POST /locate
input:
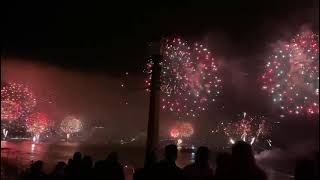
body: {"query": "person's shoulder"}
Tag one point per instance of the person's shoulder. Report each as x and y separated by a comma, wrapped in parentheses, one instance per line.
(261, 173)
(160, 164)
(155, 166)
(175, 168)
(188, 167)
(178, 168)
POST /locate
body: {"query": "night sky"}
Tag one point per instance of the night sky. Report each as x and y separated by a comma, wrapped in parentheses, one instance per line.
(116, 34)
(78, 53)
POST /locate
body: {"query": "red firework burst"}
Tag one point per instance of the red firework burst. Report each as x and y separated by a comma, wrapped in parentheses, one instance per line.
(174, 133)
(16, 100)
(38, 123)
(183, 129)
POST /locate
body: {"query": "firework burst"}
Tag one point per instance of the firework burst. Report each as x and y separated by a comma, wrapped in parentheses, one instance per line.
(174, 133)
(189, 78)
(186, 129)
(70, 125)
(182, 129)
(38, 123)
(16, 101)
(5, 133)
(292, 75)
(247, 128)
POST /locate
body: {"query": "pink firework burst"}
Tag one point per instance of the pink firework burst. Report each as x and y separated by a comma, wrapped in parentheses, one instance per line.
(16, 100)
(189, 78)
(246, 128)
(291, 75)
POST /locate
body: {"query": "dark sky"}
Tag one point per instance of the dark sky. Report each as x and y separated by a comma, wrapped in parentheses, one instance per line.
(84, 48)
(115, 34)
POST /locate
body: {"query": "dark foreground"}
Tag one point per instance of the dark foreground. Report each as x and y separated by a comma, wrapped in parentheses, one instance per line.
(17, 158)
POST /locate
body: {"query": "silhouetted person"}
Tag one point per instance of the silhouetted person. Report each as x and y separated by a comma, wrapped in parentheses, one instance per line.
(317, 166)
(305, 170)
(86, 167)
(74, 166)
(69, 162)
(67, 170)
(36, 172)
(223, 162)
(144, 173)
(141, 174)
(77, 156)
(167, 168)
(200, 169)
(99, 170)
(59, 171)
(114, 169)
(243, 163)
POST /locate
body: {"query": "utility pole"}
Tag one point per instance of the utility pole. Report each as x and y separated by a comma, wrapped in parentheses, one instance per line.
(154, 106)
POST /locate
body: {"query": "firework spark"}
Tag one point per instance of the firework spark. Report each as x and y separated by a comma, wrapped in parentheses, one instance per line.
(292, 75)
(189, 78)
(5, 133)
(16, 101)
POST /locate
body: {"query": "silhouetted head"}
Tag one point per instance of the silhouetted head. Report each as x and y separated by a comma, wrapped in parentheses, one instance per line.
(171, 152)
(70, 161)
(223, 160)
(77, 156)
(242, 153)
(60, 165)
(202, 155)
(112, 157)
(87, 162)
(36, 167)
(98, 165)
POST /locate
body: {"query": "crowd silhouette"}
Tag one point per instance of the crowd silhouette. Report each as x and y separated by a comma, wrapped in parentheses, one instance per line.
(237, 165)
(200, 169)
